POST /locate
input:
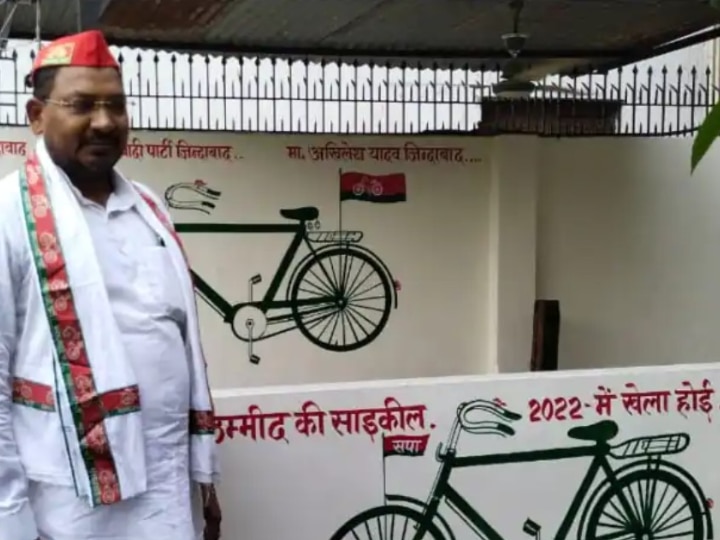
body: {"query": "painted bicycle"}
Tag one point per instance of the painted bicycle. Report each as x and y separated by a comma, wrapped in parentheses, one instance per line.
(648, 498)
(339, 295)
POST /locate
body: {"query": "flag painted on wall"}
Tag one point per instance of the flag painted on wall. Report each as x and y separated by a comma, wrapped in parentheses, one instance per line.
(385, 188)
(405, 445)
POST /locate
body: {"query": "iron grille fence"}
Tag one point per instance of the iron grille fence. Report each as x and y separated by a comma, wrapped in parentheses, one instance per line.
(170, 91)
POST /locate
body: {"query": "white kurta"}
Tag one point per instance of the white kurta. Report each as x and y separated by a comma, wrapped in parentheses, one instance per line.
(147, 303)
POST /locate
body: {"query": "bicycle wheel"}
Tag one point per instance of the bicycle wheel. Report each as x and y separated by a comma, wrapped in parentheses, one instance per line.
(659, 505)
(386, 523)
(359, 299)
(358, 189)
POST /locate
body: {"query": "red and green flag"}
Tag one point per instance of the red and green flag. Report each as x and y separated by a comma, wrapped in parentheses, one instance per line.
(405, 445)
(384, 188)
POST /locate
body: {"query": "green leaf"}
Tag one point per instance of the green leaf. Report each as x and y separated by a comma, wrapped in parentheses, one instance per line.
(706, 135)
(710, 128)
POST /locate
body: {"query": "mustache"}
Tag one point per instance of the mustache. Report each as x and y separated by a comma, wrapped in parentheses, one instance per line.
(102, 140)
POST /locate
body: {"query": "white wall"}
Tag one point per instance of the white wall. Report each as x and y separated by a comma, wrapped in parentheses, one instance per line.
(343, 472)
(615, 229)
(628, 242)
(700, 56)
(461, 249)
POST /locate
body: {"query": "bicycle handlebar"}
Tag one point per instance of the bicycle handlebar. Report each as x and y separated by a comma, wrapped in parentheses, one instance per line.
(486, 426)
(198, 187)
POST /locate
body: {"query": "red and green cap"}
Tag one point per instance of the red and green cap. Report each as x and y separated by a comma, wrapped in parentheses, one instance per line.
(86, 49)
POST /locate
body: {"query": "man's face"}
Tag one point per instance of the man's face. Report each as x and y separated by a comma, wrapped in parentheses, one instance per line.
(84, 122)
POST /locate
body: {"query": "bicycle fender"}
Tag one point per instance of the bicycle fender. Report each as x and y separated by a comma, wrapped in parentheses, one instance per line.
(421, 506)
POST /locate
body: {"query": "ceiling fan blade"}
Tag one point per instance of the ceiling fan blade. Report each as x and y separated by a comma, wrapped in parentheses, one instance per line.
(473, 86)
(559, 89)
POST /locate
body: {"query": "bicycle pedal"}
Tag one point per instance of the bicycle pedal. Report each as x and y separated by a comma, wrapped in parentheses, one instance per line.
(254, 359)
(531, 528)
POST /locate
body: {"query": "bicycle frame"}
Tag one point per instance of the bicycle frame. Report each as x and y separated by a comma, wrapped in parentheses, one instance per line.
(443, 490)
(222, 306)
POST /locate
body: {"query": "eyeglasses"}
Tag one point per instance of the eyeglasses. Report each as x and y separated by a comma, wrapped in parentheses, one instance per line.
(86, 106)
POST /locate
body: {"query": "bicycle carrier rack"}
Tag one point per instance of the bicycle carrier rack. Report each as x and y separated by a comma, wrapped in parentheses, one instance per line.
(334, 237)
(655, 445)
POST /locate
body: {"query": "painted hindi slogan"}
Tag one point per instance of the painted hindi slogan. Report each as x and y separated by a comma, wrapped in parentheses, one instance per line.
(13, 148)
(181, 149)
(409, 152)
(311, 420)
(136, 149)
(686, 399)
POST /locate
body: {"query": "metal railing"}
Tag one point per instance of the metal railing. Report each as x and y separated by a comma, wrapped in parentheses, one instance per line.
(200, 92)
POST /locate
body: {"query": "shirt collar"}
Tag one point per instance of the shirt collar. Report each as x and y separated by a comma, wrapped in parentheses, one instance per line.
(123, 196)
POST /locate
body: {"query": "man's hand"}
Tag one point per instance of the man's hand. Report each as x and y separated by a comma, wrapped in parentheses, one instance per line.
(212, 513)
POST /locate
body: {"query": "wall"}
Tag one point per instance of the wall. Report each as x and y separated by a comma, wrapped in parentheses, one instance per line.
(700, 56)
(613, 228)
(628, 242)
(372, 457)
(443, 253)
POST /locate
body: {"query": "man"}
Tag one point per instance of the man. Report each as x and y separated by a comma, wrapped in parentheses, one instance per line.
(106, 421)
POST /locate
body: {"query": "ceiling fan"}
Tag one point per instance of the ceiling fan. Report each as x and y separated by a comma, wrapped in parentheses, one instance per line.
(511, 85)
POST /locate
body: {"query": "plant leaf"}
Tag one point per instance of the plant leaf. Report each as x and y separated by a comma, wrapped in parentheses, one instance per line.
(705, 136)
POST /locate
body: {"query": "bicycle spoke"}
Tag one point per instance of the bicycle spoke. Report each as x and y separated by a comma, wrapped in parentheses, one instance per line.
(666, 527)
(352, 311)
(623, 517)
(332, 275)
(364, 291)
(634, 505)
(352, 328)
(664, 524)
(335, 275)
(684, 534)
(405, 527)
(367, 299)
(618, 522)
(357, 316)
(333, 317)
(612, 526)
(657, 508)
(647, 508)
(320, 288)
(369, 308)
(661, 517)
(353, 291)
(331, 320)
(367, 528)
(347, 263)
(323, 284)
(381, 528)
(619, 535)
(353, 283)
(316, 310)
(314, 322)
(386, 527)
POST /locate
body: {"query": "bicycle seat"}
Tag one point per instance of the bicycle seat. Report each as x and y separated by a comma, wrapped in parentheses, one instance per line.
(304, 213)
(598, 432)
